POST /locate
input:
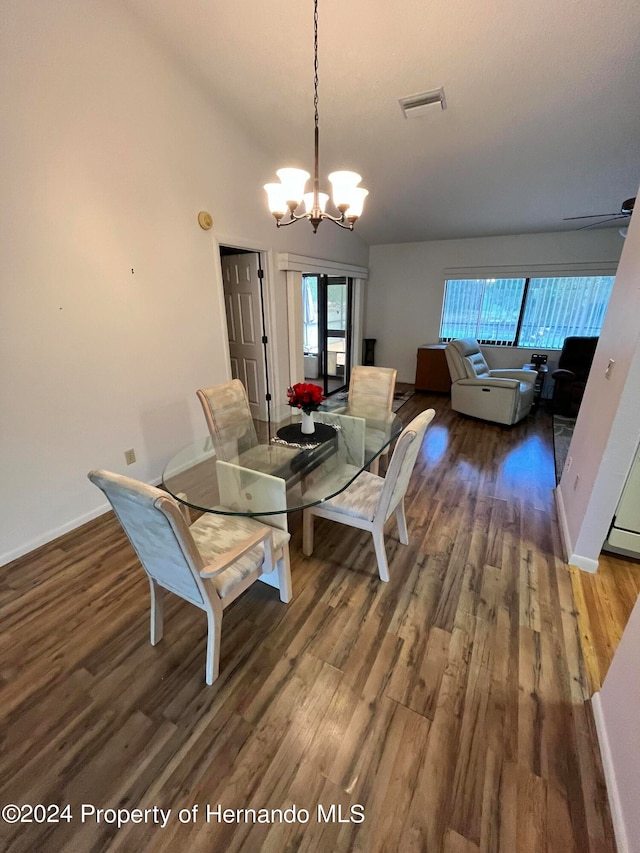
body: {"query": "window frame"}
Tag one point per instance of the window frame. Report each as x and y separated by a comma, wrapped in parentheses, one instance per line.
(600, 270)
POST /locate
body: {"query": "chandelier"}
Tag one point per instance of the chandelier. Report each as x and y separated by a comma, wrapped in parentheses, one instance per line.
(287, 196)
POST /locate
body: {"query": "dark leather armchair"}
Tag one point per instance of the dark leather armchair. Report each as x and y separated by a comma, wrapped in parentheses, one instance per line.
(570, 378)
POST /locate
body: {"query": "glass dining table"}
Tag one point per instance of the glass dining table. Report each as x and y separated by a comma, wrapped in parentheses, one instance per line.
(287, 470)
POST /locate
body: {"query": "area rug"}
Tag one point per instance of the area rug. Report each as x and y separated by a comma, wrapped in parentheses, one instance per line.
(562, 432)
(400, 398)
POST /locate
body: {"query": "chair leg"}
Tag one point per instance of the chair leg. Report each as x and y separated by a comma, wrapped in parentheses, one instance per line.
(401, 521)
(157, 611)
(214, 634)
(381, 554)
(373, 468)
(284, 576)
(307, 532)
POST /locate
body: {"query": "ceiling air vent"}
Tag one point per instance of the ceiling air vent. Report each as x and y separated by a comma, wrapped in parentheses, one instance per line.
(416, 105)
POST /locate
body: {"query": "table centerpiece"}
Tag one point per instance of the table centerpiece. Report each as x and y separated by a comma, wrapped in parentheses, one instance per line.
(307, 397)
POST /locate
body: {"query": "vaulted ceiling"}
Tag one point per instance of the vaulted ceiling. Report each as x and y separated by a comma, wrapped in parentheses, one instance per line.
(542, 118)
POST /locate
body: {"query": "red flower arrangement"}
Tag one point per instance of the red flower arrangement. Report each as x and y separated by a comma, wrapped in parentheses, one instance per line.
(305, 396)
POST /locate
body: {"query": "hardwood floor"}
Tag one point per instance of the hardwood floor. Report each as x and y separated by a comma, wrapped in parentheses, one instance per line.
(603, 603)
(451, 703)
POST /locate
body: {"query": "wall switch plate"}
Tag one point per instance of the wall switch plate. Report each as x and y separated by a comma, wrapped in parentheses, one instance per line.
(130, 456)
(607, 372)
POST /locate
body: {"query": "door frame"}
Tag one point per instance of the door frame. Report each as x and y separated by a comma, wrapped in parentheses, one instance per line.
(260, 407)
(294, 266)
(324, 333)
(270, 308)
(283, 308)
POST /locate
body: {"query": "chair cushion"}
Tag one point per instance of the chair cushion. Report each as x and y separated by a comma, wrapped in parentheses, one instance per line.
(360, 499)
(216, 534)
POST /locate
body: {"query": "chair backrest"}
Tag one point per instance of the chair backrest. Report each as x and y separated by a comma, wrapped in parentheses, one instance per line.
(158, 532)
(371, 386)
(226, 409)
(577, 355)
(396, 481)
(465, 359)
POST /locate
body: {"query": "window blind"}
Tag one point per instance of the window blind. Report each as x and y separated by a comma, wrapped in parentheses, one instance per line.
(527, 312)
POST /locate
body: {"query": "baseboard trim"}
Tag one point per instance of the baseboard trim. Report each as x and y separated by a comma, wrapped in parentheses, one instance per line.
(610, 776)
(50, 535)
(562, 520)
(585, 564)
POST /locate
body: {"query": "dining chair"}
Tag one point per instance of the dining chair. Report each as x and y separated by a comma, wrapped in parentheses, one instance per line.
(228, 415)
(371, 389)
(208, 563)
(369, 501)
(233, 433)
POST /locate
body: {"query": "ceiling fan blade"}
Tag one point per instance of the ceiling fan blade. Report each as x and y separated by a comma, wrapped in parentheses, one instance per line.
(595, 224)
(592, 216)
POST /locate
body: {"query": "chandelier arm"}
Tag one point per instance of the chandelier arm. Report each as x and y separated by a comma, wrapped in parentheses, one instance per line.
(293, 217)
(316, 220)
(337, 220)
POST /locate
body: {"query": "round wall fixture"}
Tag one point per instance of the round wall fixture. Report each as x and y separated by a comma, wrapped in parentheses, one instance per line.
(205, 220)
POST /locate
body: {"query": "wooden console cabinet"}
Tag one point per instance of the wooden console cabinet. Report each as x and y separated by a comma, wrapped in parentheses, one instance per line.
(432, 371)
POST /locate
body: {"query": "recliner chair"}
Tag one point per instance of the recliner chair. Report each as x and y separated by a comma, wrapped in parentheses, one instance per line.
(502, 396)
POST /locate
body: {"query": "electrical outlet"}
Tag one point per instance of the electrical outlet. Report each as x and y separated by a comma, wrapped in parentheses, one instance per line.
(130, 456)
(577, 480)
(569, 463)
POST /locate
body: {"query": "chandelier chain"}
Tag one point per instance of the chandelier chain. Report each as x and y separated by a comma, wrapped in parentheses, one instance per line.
(315, 61)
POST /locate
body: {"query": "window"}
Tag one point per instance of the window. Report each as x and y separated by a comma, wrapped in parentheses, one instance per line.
(310, 312)
(526, 312)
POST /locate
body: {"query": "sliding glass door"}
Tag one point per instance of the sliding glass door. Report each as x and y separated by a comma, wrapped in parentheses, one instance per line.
(327, 306)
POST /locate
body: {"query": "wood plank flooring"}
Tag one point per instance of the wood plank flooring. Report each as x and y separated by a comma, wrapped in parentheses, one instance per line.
(451, 704)
(603, 605)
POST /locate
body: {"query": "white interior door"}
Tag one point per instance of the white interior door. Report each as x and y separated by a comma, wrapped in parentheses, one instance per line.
(244, 326)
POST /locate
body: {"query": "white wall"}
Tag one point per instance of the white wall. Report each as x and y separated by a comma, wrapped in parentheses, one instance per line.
(607, 431)
(617, 711)
(406, 285)
(109, 151)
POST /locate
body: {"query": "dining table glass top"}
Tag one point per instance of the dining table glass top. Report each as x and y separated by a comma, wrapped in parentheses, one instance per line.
(286, 470)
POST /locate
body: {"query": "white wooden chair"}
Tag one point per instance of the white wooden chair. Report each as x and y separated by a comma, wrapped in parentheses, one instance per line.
(233, 433)
(208, 563)
(228, 415)
(370, 500)
(371, 389)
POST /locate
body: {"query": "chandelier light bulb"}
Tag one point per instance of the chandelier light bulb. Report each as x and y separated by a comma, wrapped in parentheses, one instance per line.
(277, 202)
(343, 184)
(323, 198)
(293, 183)
(356, 203)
